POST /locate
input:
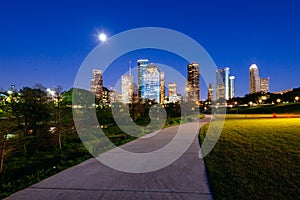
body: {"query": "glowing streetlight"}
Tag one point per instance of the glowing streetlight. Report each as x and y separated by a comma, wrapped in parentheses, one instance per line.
(297, 99)
(278, 100)
(260, 101)
(102, 37)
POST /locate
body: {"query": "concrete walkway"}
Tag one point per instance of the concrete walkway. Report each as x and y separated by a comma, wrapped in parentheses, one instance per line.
(183, 179)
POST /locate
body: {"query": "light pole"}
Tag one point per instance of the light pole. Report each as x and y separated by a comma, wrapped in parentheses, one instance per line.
(296, 99)
(278, 101)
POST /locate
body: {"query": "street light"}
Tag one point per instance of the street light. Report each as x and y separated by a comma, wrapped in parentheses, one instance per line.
(260, 101)
(297, 99)
(278, 100)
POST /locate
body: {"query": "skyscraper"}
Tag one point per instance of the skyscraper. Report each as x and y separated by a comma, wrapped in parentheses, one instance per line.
(231, 86)
(172, 89)
(264, 84)
(211, 91)
(222, 84)
(127, 88)
(254, 79)
(162, 87)
(193, 83)
(142, 64)
(96, 85)
(152, 83)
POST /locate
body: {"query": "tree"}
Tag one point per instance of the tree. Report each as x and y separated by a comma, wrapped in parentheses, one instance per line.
(58, 113)
(34, 109)
(9, 134)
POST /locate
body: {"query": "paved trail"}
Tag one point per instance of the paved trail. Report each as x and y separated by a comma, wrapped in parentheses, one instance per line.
(183, 179)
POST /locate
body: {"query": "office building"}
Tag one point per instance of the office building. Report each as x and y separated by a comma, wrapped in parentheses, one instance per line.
(142, 64)
(193, 83)
(254, 79)
(264, 85)
(258, 84)
(172, 89)
(173, 97)
(151, 80)
(127, 88)
(162, 87)
(231, 86)
(96, 85)
(211, 91)
(222, 84)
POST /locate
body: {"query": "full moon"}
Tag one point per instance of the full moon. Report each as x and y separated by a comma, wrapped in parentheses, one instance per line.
(102, 37)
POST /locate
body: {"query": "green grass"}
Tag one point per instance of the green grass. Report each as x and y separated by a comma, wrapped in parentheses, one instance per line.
(255, 159)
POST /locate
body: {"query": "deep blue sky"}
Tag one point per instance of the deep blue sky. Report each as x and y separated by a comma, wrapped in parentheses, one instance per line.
(46, 41)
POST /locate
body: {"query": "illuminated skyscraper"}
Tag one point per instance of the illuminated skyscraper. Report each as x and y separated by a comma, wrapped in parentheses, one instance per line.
(231, 86)
(254, 79)
(162, 87)
(142, 64)
(152, 83)
(172, 94)
(264, 84)
(193, 83)
(96, 85)
(127, 88)
(222, 84)
(211, 92)
(172, 87)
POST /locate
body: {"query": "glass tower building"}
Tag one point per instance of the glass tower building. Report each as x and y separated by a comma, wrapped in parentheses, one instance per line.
(152, 83)
(222, 84)
(231, 86)
(142, 65)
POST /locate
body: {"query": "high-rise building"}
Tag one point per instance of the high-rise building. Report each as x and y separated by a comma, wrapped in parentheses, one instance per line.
(222, 84)
(193, 83)
(257, 84)
(211, 91)
(172, 89)
(254, 79)
(152, 83)
(106, 96)
(114, 96)
(162, 87)
(264, 84)
(231, 86)
(127, 88)
(142, 64)
(172, 93)
(96, 85)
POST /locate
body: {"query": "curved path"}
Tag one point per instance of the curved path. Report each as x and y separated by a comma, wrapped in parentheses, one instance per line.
(184, 179)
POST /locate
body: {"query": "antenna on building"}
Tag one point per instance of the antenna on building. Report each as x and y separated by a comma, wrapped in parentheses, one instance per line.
(129, 68)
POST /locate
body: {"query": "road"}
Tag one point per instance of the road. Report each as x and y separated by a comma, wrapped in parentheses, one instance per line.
(183, 179)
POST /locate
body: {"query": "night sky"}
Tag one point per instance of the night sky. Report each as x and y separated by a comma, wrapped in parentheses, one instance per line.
(46, 41)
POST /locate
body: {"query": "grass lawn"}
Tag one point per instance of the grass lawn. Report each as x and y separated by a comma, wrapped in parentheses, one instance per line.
(255, 159)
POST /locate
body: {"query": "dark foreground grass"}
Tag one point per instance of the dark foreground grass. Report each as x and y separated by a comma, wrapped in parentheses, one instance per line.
(255, 159)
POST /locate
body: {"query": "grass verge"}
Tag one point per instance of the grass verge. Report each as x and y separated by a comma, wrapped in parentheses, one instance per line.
(255, 159)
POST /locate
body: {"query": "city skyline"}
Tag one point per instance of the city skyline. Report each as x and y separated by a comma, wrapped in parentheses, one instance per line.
(39, 47)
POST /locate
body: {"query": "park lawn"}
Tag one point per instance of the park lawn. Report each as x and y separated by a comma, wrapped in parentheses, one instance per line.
(255, 159)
